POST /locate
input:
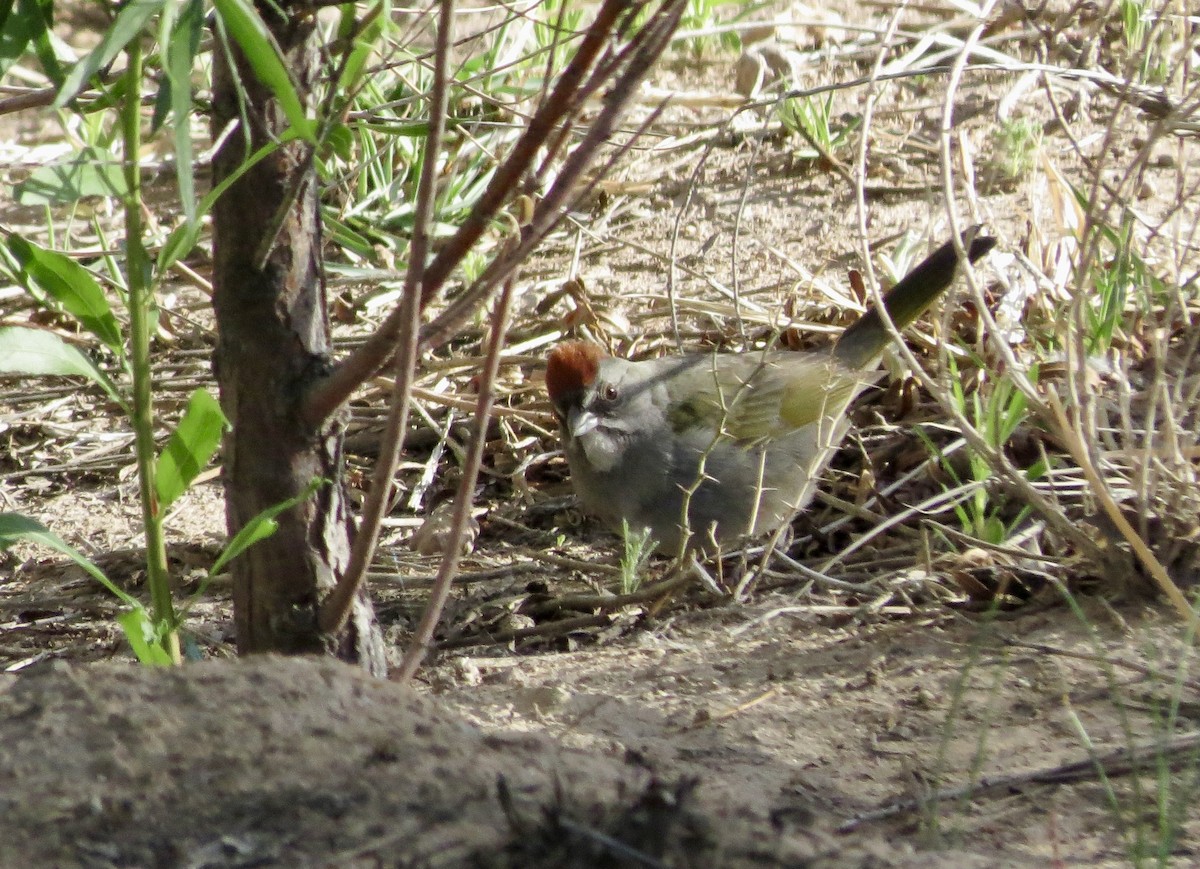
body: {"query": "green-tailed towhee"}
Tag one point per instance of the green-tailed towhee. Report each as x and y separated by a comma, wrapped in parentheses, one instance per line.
(737, 439)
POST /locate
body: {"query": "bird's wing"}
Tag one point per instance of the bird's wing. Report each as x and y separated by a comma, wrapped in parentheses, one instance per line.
(755, 397)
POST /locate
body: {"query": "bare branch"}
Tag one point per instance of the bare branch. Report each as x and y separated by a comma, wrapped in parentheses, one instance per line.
(650, 42)
(465, 496)
(336, 607)
(325, 398)
(1125, 760)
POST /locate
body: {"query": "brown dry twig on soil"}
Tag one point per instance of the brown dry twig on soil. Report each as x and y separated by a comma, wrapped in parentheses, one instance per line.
(1117, 762)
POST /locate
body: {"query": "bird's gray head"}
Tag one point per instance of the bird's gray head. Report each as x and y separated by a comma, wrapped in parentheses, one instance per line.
(602, 403)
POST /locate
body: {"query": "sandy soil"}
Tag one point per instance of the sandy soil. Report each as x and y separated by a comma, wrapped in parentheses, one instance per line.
(744, 737)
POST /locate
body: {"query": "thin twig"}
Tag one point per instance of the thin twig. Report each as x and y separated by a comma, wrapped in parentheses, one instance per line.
(609, 602)
(422, 639)
(996, 459)
(41, 97)
(1101, 493)
(327, 396)
(556, 628)
(336, 607)
(650, 41)
(1120, 761)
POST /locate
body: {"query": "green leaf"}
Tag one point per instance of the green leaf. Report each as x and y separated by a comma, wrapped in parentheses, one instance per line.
(143, 638)
(112, 97)
(38, 353)
(341, 141)
(162, 105)
(993, 530)
(93, 172)
(28, 26)
(183, 238)
(136, 622)
(190, 447)
(243, 23)
(365, 33)
(72, 286)
(128, 26)
(17, 31)
(16, 526)
(259, 528)
(179, 244)
(345, 236)
(43, 45)
(182, 43)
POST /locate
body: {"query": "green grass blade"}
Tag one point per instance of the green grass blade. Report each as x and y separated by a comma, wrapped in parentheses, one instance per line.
(128, 26)
(143, 638)
(184, 237)
(16, 526)
(27, 24)
(259, 528)
(182, 45)
(244, 24)
(136, 623)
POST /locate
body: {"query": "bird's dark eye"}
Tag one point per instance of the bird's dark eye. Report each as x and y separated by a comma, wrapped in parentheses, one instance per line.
(609, 392)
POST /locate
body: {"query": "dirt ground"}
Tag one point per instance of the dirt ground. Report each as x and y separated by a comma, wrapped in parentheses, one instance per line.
(745, 737)
(891, 721)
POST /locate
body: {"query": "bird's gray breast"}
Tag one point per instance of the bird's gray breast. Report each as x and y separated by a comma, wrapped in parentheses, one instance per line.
(618, 478)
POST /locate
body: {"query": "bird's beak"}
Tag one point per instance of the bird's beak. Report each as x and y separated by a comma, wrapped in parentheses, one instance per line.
(580, 422)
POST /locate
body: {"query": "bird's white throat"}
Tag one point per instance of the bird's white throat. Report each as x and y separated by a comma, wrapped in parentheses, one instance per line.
(602, 451)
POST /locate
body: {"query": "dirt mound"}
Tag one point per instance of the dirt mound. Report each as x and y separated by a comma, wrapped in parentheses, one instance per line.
(306, 762)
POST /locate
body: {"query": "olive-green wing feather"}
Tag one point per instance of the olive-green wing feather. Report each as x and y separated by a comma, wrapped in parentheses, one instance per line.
(760, 396)
(754, 397)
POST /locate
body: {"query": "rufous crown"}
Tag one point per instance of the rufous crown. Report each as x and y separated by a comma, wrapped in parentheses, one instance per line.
(572, 366)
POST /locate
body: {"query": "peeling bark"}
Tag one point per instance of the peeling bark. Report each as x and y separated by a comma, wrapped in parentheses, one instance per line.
(273, 342)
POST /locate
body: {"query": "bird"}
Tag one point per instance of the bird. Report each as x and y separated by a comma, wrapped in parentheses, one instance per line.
(704, 449)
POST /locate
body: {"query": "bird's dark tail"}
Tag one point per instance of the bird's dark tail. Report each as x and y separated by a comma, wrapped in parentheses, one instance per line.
(866, 338)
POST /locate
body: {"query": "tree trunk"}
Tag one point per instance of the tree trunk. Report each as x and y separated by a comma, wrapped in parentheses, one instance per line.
(272, 342)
